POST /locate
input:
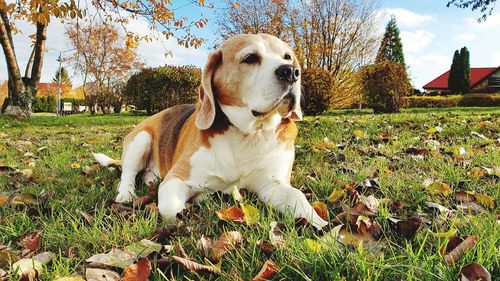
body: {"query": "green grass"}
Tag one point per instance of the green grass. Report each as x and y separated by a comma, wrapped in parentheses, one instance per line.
(71, 139)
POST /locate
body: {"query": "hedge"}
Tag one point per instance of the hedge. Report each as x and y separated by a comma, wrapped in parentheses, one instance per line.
(452, 101)
(317, 90)
(155, 89)
(45, 104)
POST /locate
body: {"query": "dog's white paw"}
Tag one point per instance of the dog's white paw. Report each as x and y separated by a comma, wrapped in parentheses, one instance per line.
(125, 197)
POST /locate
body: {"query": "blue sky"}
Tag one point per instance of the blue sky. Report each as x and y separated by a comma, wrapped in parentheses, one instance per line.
(430, 31)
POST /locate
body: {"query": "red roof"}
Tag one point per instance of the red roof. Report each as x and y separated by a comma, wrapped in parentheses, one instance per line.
(477, 75)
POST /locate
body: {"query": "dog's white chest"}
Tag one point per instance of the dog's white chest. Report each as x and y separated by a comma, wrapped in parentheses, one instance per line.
(234, 158)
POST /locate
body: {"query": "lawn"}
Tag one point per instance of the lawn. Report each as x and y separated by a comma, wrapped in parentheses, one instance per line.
(413, 157)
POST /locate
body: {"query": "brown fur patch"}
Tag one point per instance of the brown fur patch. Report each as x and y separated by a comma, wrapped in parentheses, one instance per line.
(287, 132)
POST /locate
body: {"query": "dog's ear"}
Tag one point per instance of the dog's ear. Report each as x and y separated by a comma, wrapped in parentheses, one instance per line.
(206, 115)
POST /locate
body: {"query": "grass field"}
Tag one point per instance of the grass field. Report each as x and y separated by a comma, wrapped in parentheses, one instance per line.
(332, 150)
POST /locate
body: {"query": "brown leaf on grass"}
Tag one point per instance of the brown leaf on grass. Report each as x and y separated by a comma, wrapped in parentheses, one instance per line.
(139, 271)
(484, 200)
(96, 274)
(474, 272)
(267, 247)
(196, 267)
(181, 253)
(162, 235)
(478, 172)
(226, 242)
(141, 202)
(268, 271)
(321, 209)
(72, 278)
(7, 256)
(233, 214)
(24, 199)
(453, 242)
(122, 210)
(408, 228)
(203, 245)
(460, 250)
(4, 199)
(30, 243)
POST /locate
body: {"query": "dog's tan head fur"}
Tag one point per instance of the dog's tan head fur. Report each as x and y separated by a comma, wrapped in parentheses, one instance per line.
(255, 79)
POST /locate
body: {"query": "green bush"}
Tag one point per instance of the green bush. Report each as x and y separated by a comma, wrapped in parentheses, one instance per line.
(317, 90)
(155, 89)
(384, 85)
(45, 104)
(452, 101)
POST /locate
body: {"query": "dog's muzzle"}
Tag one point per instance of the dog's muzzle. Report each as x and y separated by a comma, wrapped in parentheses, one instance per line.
(283, 106)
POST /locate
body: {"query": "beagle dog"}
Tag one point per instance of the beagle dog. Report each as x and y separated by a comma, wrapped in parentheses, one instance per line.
(241, 132)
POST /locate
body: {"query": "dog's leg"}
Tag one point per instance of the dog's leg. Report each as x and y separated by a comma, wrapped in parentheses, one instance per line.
(135, 158)
(285, 198)
(172, 197)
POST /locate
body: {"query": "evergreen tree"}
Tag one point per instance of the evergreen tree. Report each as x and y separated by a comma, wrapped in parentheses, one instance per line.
(464, 71)
(453, 78)
(391, 48)
(64, 76)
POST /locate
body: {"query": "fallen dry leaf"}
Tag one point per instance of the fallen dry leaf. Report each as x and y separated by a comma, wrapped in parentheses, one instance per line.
(408, 228)
(268, 271)
(321, 209)
(233, 214)
(226, 242)
(75, 166)
(30, 243)
(97, 274)
(276, 234)
(251, 214)
(203, 245)
(439, 188)
(266, 247)
(139, 271)
(474, 272)
(460, 250)
(196, 267)
(144, 248)
(142, 201)
(337, 195)
(115, 258)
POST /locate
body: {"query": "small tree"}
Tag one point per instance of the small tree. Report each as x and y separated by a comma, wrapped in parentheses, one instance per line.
(317, 90)
(459, 77)
(384, 85)
(391, 48)
(453, 78)
(464, 77)
(64, 76)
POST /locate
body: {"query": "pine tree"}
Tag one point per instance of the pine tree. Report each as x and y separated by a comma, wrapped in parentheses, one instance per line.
(464, 77)
(64, 76)
(391, 47)
(453, 79)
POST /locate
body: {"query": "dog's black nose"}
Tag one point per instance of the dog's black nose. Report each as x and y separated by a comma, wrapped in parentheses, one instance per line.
(287, 72)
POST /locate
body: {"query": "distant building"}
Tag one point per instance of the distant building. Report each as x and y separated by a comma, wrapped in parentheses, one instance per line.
(482, 80)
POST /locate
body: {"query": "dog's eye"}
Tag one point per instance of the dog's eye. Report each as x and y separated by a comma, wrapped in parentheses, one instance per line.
(287, 57)
(251, 59)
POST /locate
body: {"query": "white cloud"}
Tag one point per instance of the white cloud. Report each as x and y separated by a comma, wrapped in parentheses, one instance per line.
(495, 59)
(405, 18)
(466, 37)
(424, 68)
(416, 41)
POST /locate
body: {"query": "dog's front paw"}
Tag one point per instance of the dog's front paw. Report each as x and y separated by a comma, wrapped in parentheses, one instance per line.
(125, 197)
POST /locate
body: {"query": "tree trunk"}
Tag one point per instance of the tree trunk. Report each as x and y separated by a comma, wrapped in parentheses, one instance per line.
(22, 90)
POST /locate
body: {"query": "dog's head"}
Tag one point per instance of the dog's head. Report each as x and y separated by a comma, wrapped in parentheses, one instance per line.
(255, 79)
